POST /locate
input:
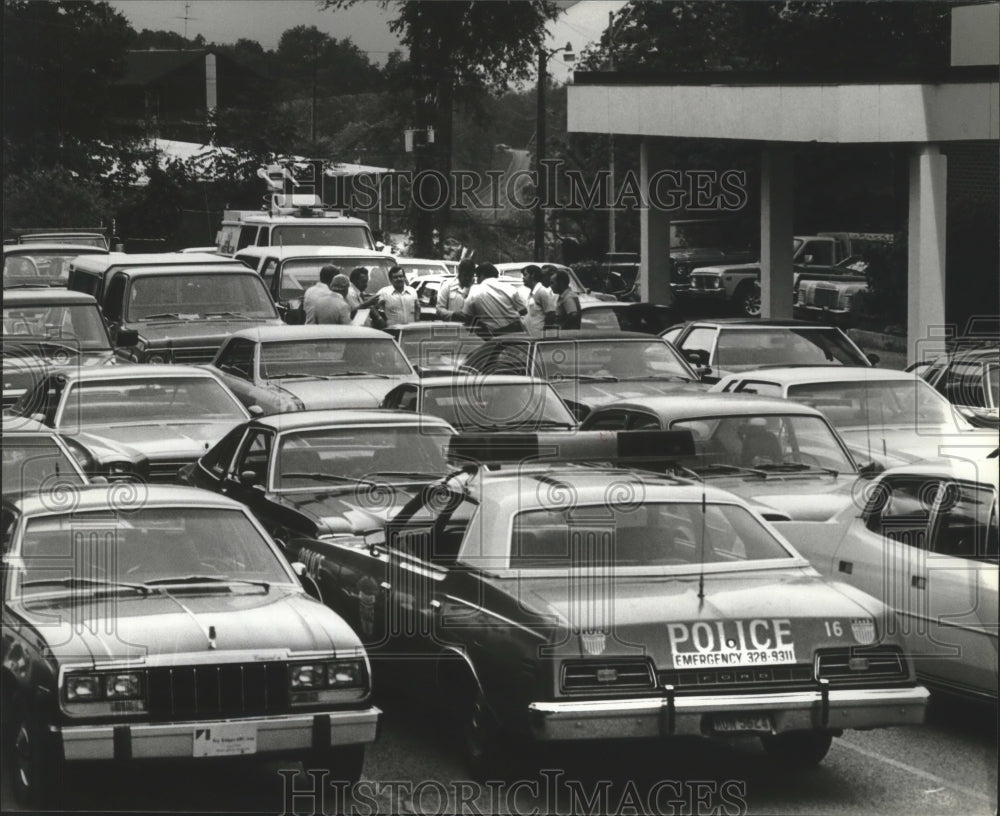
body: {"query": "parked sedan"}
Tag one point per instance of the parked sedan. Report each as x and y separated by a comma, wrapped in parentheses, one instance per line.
(589, 368)
(491, 402)
(325, 473)
(298, 368)
(722, 346)
(925, 542)
(970, 380)
(435, 347)
(884, 416)
(171, 414)
(173, 629)
(551, 602)
(781, 457)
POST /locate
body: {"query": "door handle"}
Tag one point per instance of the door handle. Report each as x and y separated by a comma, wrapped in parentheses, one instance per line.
(846, 567)
(918, 582)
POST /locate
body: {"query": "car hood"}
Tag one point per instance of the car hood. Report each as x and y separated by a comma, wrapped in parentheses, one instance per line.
(343, 392)
(168, 440)
(597, 394)
(195, 332)
(789, 606)
(284, 619)
(893, 446)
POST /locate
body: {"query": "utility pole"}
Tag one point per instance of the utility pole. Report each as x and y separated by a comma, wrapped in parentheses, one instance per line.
(312, 128)
(540, 136)
(611, 140)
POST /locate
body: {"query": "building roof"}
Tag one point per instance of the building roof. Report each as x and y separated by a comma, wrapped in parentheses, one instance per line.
(146, 67)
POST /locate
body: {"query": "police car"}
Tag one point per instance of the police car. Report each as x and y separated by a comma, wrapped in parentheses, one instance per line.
(551, 601)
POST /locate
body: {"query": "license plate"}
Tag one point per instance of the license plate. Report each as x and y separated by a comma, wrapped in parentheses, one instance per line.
(225, 739)
(736, 724)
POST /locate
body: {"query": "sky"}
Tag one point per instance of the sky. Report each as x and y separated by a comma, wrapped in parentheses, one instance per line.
(366, 22)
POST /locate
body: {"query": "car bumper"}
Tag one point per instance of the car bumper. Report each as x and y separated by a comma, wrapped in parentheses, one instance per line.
(706, 294)
(273, 735)
(831, 311)
(789, 711)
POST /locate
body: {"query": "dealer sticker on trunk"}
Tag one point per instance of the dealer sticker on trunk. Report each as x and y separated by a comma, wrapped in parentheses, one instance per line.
(757, 642)
(225, 739)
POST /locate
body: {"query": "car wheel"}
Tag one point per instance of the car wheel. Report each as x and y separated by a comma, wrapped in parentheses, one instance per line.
(345, 763)
(801, 749)
(36, 779)
(748, 301)
(485, 747)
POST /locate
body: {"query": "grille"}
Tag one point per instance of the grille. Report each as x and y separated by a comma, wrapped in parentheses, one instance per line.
(704, 282)
(740, 679)
(882, 664)
(165, 470)
(593, 676)
(825, 296)
(194, 354)
(227, 690)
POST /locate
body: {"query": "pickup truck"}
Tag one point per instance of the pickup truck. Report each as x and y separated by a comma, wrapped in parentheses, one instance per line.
(818, 259)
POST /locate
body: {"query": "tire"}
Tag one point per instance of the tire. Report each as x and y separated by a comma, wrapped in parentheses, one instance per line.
(486, 750)
(36, 777)
(747, 301)
(800, 749)
(345, 763)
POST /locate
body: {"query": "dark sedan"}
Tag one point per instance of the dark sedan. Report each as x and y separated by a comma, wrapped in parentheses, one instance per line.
(323, 474)
(589, 368)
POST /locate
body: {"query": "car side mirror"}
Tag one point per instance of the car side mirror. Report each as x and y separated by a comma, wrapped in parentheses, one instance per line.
(873, 359)
(248, 478)
(697, 357)
(126, 337)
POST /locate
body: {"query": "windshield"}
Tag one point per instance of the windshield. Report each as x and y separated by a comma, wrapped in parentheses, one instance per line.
(331, 358)
(610, 360)
(416, 270)
(78, 326)
(144, 544)
(742, 349)
(34, 462)
(653, 534)
(343, 235)
(45, 266)
(318, 458)
(478, 405)
(167, 400)
(440, 346)
(749, 441)
(854, 403)
(199, 294)
(298, 275)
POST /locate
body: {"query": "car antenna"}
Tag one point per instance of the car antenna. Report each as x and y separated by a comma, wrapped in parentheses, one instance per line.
(868, 420)
(701, 560)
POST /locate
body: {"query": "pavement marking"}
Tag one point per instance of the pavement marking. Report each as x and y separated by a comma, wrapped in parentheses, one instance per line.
(939, 780)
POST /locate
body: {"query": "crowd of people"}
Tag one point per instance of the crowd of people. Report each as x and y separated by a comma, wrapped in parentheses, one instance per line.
(475, 296)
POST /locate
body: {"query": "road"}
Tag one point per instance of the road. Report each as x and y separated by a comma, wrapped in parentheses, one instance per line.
(946, 766)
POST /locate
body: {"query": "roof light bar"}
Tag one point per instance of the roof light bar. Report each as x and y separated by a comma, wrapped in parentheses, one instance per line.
(621, 447)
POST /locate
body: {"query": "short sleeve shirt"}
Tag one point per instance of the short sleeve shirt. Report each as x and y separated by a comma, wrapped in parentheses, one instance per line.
(400, 307)
(332, 309)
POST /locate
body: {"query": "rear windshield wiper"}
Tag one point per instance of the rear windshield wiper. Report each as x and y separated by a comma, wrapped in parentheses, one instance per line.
(161, 316)
(76, 582)
(359, 374)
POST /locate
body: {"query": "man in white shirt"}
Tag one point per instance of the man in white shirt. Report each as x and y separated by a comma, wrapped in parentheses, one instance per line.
(453, 292)
(318, 291)
(493, 307)
(541, 301)
(334, 309)
(398, 301)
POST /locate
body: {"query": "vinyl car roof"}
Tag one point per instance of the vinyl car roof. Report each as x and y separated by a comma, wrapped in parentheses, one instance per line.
(110, 497)
(298, 251)
(273, 334)
(298, 420)
(45, 297)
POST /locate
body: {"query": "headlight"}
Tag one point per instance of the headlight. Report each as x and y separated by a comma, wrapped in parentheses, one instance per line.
(327, 681)
(81, 687)
(93, 687)
(119, 469)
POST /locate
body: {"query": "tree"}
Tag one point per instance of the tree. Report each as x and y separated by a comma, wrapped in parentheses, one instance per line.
(60, 59)
(53, 197)
(458, 49)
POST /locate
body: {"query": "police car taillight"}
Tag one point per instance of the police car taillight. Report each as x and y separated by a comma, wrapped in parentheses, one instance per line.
(621, 447)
